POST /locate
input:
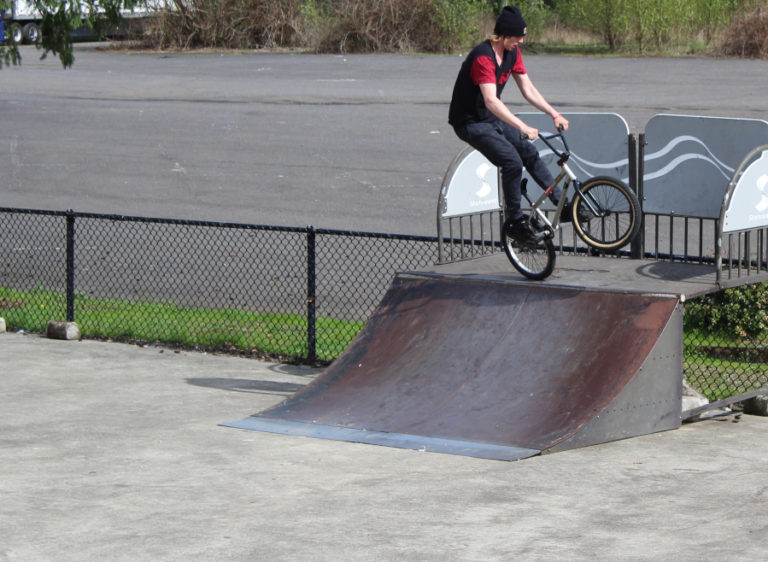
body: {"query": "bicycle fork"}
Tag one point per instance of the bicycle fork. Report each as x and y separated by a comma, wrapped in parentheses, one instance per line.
(592, 205)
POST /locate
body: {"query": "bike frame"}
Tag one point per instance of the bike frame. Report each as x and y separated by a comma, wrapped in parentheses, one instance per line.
(568, 177)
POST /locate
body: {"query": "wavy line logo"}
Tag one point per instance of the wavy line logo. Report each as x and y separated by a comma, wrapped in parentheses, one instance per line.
(589, 168)
(703, 154)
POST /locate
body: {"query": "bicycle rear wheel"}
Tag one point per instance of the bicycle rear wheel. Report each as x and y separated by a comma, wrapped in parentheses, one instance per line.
(618, 221)
(535, 261)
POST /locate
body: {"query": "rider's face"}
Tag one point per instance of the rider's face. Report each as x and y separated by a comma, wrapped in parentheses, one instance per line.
(511, 42)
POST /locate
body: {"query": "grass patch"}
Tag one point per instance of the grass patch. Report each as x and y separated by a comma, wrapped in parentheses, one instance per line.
(718, 365)
(281, 336)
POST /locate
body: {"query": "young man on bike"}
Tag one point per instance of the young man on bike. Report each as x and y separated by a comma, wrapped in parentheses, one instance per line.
(481, 119)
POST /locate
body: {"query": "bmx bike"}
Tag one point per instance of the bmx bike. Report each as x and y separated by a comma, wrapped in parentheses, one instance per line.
(605, 214)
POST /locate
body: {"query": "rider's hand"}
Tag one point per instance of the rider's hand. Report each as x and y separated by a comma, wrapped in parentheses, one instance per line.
(530, 133)
(561, 123)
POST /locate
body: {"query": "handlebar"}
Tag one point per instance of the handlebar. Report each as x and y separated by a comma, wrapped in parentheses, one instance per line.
(545, 138)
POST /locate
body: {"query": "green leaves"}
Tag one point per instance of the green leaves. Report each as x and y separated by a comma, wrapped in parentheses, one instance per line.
(739, 312)
(645, 24)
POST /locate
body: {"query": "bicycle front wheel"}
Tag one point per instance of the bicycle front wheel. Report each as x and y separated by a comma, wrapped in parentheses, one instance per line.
(535, 261)
(617, 220)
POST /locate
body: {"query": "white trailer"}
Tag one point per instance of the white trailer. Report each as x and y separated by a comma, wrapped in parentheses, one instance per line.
(22, 21)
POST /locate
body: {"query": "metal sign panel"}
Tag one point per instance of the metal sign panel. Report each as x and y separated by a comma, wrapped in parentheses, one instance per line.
(690, 160)
(473, 186)
(598, 143)
(748, 205)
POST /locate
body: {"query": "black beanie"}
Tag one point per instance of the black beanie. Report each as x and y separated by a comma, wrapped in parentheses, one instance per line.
(510, 23)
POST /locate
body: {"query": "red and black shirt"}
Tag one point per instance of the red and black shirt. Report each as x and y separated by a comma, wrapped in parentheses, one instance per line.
(480, 67)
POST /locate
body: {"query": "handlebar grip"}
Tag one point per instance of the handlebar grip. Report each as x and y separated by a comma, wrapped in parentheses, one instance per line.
(524, 136)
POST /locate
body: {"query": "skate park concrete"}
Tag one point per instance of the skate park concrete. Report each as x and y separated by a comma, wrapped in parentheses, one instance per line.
(113, 452)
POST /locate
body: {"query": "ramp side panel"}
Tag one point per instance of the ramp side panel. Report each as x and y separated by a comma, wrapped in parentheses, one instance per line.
(484, 362)
(649, 403)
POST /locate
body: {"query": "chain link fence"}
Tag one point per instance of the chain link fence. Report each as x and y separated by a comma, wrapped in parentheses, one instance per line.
(725, 348)
(297, 294)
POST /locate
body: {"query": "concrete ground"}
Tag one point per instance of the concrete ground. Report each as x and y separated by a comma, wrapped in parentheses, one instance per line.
(113, 452)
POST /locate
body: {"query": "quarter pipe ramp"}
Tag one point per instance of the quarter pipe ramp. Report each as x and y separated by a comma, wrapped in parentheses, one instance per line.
(498, 370)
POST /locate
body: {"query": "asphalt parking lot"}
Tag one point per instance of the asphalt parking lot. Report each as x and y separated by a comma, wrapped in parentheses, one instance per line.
(345, 142)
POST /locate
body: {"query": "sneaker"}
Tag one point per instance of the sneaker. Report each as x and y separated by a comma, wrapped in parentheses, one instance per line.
(521, 231)
(537, 224)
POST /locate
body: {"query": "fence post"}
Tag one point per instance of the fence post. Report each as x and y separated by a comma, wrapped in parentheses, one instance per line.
(311, 288)
(70, 266)
(636, 155)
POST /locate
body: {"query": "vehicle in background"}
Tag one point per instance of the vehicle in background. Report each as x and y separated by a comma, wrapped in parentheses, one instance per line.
(23, 20)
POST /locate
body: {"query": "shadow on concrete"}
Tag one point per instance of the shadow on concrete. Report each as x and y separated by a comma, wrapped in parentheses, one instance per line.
(247, 385)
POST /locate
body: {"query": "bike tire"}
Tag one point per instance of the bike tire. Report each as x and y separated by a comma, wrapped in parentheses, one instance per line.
(621, 221)
(534, 261)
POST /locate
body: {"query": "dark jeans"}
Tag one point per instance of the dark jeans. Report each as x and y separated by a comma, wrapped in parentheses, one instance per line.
(502, 146)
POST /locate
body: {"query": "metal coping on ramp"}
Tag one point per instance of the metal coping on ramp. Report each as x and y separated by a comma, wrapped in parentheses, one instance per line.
(611, 275)
(496, 370)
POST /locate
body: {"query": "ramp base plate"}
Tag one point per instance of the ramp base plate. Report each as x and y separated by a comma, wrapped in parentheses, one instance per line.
(398, 440)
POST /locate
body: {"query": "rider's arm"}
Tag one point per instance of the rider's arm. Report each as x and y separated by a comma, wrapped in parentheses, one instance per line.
(534, 97)
(500, 110)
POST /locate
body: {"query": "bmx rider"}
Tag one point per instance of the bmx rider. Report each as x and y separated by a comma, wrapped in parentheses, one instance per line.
(481, 119)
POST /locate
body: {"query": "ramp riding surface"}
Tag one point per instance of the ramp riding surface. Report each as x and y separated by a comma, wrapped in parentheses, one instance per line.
(493, 369)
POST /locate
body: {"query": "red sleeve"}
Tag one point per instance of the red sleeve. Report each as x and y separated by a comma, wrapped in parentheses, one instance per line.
(519, 67)
(483, 71)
